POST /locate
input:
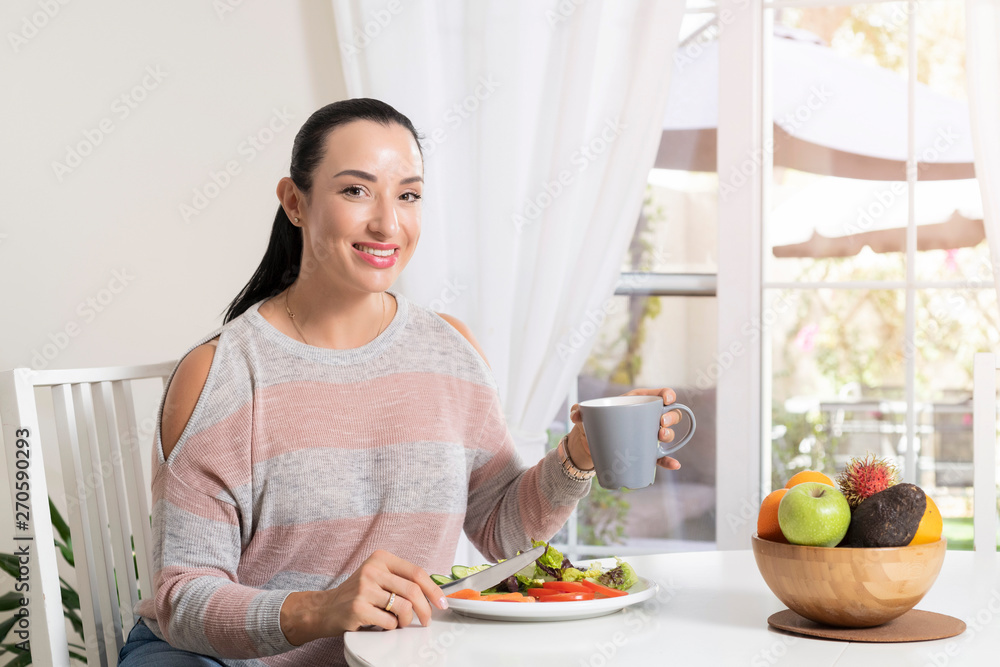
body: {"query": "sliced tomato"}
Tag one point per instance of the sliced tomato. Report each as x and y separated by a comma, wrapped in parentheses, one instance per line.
(566, 597)
(604, 590)
(466, 594)
(541, 592)
(566, 586)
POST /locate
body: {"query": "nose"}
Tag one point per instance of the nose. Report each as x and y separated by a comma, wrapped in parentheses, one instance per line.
(385, 221)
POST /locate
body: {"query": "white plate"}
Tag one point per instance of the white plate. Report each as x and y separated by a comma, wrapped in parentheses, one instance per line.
(553, 611)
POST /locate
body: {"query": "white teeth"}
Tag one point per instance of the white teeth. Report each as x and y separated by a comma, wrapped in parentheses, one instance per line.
(374, 251)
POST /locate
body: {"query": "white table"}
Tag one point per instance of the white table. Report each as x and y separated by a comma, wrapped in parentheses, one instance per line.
(712, 609)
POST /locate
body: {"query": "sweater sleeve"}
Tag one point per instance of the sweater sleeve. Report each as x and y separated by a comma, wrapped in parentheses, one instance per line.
(198, 605)
(202, 521)
(511, 504)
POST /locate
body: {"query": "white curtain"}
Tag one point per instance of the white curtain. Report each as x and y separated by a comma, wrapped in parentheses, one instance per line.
(983, 71)
(542, 119)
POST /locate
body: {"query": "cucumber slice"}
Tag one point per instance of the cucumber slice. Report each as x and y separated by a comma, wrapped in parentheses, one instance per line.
(460, 571)
(441, 579)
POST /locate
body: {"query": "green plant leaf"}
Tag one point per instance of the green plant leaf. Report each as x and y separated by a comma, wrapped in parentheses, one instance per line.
(10, 601)
(74, 620)
(6, 626)
(67, 552)
(59, 523)
(81, 658)
(23, 657)
(70, 598)
(9, 564)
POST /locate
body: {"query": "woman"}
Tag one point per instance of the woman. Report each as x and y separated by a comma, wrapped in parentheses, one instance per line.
(321, 452)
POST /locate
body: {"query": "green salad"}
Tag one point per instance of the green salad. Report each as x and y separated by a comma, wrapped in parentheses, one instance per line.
(550, 566)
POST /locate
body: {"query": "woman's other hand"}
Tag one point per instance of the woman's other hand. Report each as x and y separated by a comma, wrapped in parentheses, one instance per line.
(361, 600)
(579, 448)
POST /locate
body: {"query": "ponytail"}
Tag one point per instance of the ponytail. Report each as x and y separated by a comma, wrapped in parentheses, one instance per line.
(278, 269)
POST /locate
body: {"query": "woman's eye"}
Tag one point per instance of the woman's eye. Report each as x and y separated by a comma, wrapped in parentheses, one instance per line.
(413, 196)
(354, 191)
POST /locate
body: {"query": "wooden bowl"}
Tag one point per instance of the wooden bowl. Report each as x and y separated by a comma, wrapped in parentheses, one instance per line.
(849, 588)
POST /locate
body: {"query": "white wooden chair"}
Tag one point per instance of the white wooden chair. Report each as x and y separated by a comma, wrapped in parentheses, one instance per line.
(984, 454)
(106, 501)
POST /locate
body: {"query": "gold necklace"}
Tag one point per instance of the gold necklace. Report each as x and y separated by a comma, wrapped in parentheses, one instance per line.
(291, 316)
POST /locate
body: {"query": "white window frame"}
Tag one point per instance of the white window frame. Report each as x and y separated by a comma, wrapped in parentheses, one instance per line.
(744, 405)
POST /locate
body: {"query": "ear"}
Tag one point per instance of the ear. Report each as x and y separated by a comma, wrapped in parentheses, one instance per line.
(292, 199)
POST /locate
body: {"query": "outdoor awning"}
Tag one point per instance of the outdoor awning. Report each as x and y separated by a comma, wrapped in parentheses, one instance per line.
(837, 217)
(833, 115)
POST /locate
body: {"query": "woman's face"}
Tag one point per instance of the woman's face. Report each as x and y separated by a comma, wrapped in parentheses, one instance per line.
(361, 220)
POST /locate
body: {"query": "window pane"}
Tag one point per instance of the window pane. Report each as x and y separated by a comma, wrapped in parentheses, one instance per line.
(839, 98)
(949, 212)
(837, 378)
(952, 325)
(657, 342)
(678, 231)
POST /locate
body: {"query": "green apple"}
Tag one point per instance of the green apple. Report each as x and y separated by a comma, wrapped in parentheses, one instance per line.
(814, 514)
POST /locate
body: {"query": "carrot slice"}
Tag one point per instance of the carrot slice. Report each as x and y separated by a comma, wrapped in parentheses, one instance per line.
(466, 594)
(505, 597)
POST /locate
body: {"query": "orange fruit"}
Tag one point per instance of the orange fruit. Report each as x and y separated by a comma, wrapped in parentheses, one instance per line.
(931, 525)
(809, 476)
(767, 518)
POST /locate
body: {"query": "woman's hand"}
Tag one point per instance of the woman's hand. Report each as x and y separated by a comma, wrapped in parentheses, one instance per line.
(579, 448)
(361, 600)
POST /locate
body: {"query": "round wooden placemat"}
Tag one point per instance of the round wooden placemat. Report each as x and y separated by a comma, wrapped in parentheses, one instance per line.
(913, 626)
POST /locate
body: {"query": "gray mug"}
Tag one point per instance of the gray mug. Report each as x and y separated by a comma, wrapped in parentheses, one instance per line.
(623, 433)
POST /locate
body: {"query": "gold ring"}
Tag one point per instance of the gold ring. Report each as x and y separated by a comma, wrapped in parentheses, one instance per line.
(392, 598)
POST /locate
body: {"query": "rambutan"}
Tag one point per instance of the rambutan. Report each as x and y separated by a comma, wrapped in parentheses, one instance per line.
(864, 477)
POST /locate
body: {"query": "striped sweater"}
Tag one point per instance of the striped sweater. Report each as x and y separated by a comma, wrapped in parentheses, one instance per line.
(298, 462)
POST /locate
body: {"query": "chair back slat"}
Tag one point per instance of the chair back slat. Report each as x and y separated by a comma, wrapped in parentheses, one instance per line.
(79, 522)
(116, 500)
(23, 449)
(97, 511)
(136, 484)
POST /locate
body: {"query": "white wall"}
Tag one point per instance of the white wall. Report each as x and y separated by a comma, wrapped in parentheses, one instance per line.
(66, 236)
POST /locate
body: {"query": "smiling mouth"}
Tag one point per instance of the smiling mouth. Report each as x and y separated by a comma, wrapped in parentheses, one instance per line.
(388, 252)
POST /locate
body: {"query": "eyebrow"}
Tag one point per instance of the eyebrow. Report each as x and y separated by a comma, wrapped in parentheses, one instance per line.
(373, 179)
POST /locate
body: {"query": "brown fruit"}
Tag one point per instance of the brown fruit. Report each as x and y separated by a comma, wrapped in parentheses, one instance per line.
(889, 518)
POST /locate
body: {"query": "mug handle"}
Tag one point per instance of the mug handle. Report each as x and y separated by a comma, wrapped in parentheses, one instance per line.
(660, 451)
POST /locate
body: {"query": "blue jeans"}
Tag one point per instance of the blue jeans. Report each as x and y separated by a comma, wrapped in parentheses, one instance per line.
(145, 649)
